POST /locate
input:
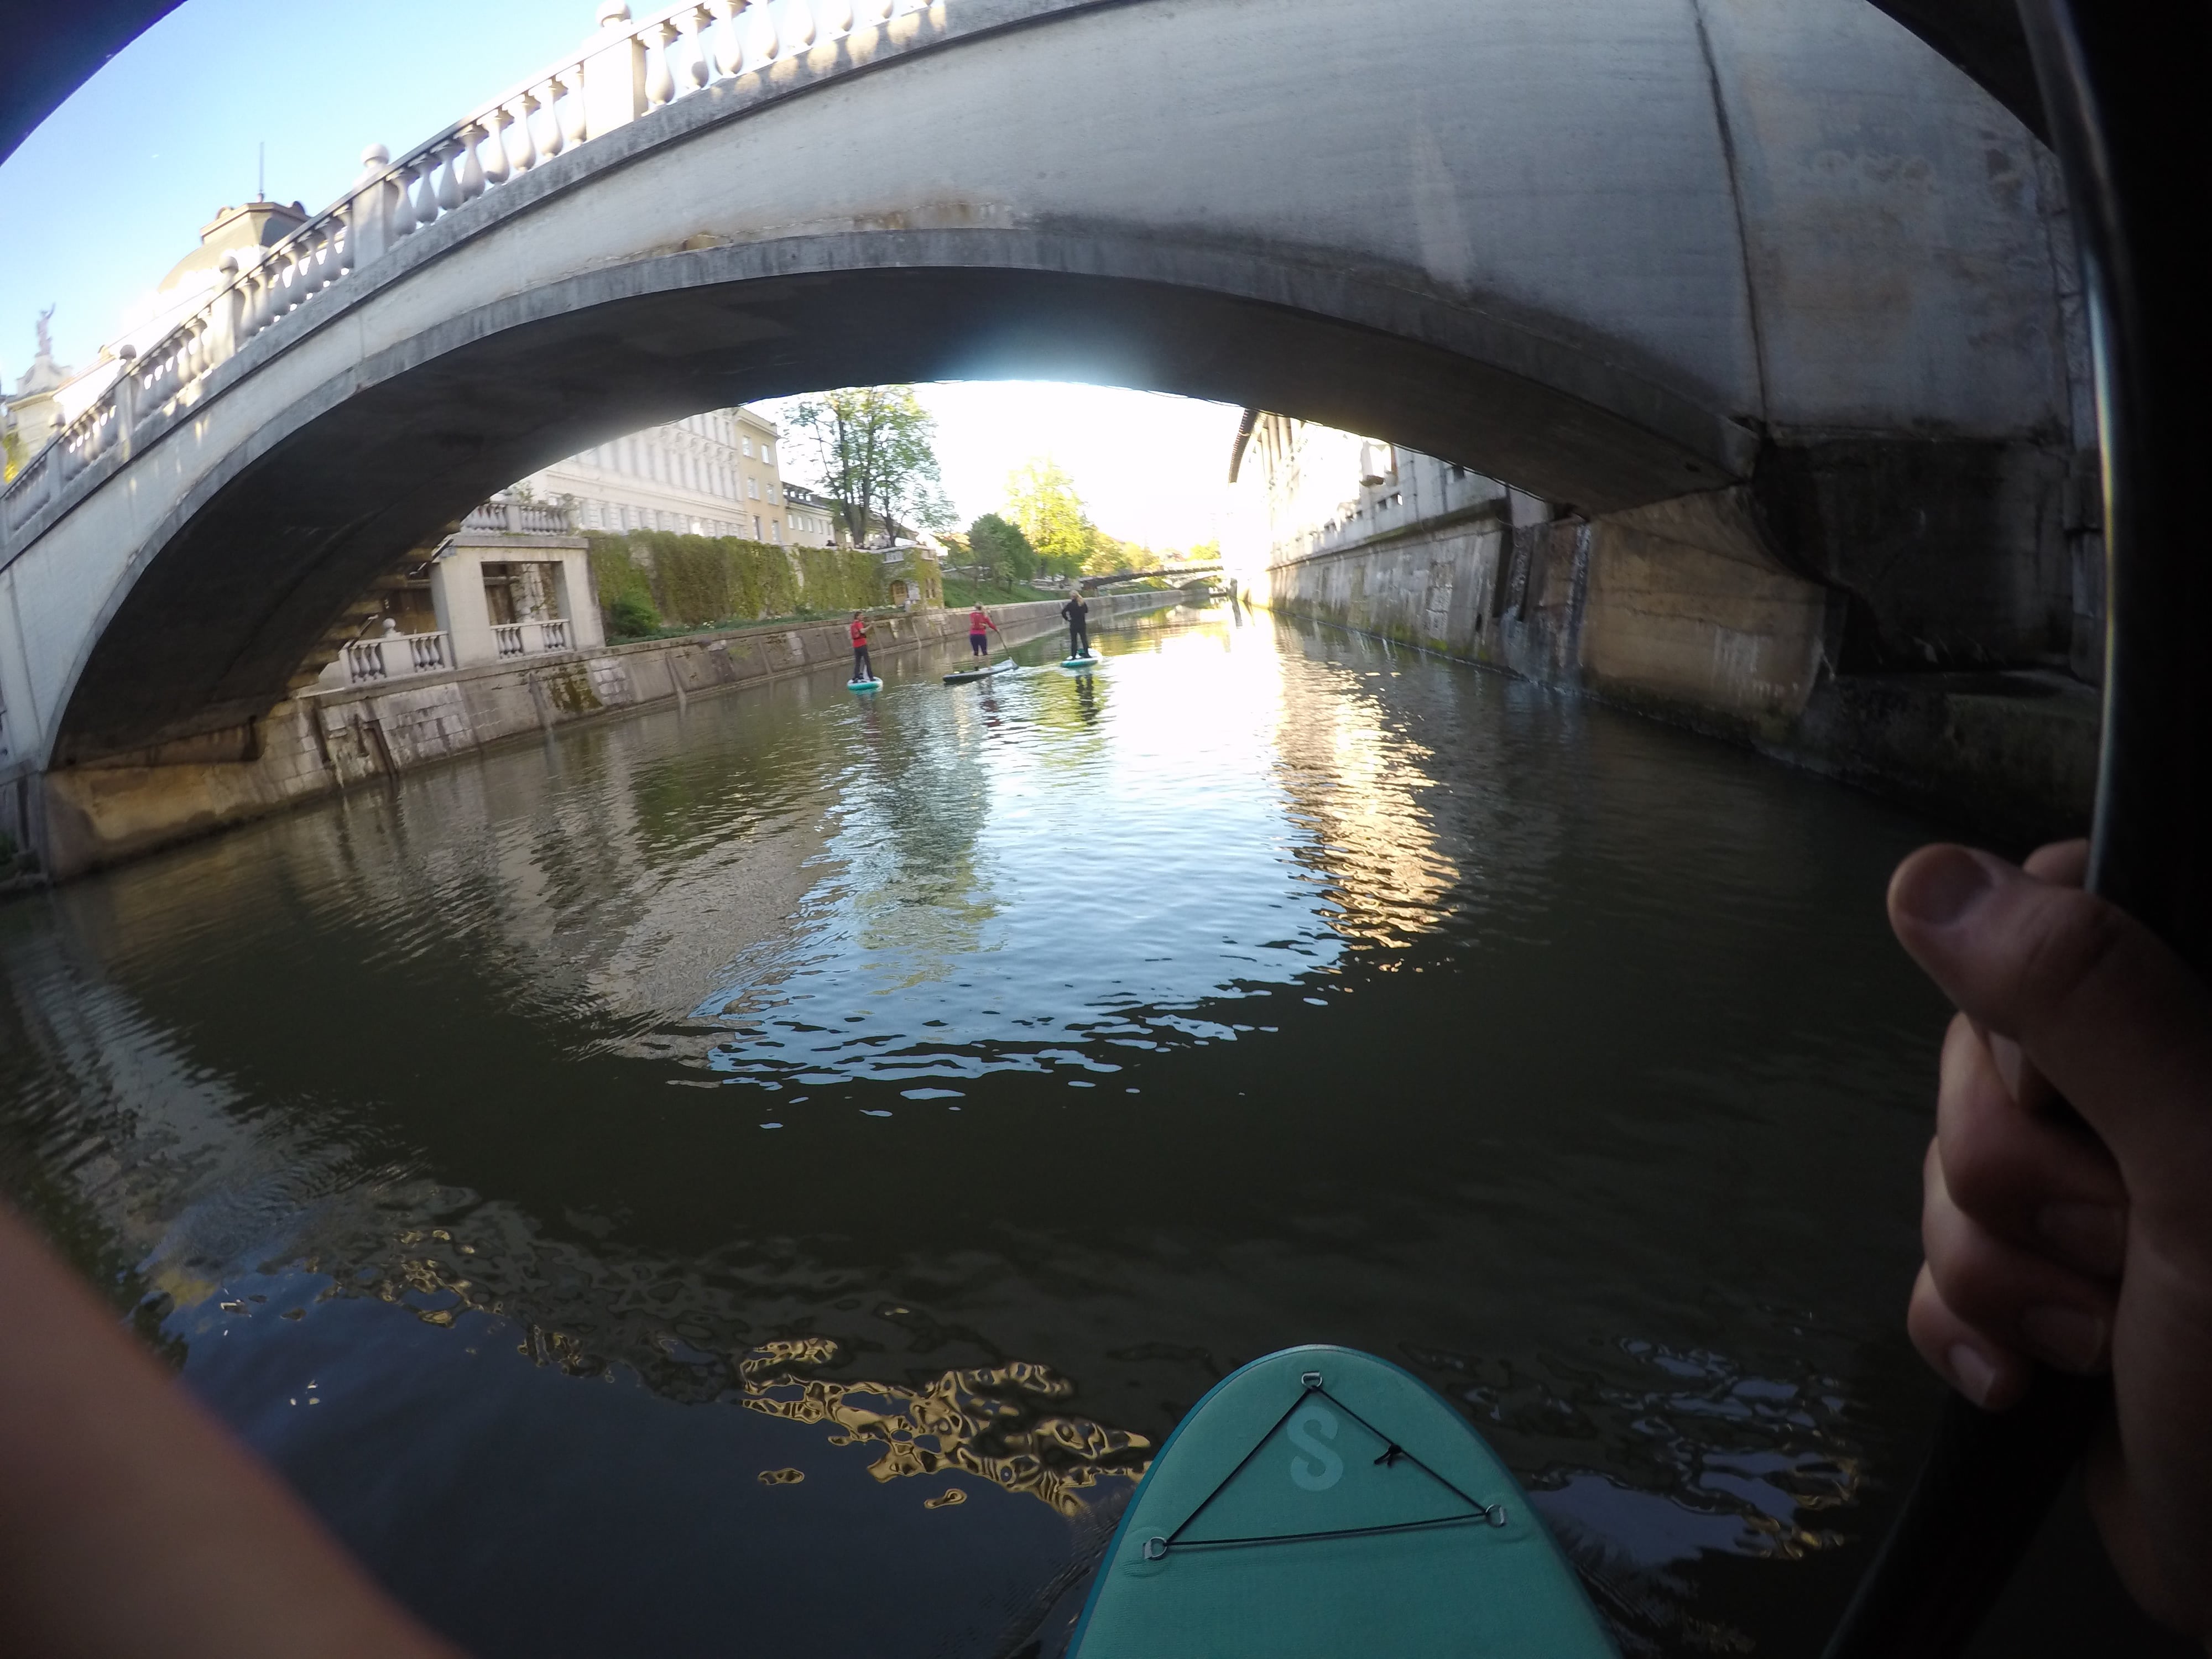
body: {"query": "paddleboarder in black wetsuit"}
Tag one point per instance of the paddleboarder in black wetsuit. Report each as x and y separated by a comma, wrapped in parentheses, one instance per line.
(1077, 612)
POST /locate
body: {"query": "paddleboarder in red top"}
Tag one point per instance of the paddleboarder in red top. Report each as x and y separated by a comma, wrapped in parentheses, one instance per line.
(979, 641)
(861, 669)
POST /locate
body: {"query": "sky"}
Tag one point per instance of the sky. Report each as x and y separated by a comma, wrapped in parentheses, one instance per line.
(111, 190)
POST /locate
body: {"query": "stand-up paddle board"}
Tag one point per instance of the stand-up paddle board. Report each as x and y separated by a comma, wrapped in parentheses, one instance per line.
(863, 685)
(1078, 662)
(1320, 1504)
(965, 674)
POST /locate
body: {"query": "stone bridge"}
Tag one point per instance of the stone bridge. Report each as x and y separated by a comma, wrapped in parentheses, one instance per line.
(1781, 266)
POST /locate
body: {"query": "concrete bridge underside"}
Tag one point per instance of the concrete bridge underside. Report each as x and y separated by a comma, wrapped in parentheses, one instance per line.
(1618, 253)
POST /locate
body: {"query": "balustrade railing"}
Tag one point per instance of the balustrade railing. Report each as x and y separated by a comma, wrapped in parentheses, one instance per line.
(366, 662)
(520, 639)
(625, 70)
(519, 519)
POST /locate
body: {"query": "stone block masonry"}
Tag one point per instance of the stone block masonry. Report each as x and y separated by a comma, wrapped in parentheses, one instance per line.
(314, 745)
(1681, 611)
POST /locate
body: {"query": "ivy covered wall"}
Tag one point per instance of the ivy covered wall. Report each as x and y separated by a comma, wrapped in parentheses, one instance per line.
(693, 581)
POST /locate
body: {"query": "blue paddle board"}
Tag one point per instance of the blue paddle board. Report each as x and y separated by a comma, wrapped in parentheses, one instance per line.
(862, 685)
(968, 674)
(1322, 1504)
(1078, 662)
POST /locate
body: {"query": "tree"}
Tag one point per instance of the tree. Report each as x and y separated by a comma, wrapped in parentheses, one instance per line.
(999, 548)
(1041, 498)
(875, 450)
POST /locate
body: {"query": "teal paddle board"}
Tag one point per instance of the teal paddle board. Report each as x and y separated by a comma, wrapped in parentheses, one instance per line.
(1078, 662)
(862, 685)
(965, 674)
(1322, 1504)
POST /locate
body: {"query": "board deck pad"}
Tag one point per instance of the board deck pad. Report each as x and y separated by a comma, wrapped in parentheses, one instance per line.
(1321, 1503)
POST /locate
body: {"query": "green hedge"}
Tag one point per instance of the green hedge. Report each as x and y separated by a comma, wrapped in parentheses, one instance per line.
(696, 582)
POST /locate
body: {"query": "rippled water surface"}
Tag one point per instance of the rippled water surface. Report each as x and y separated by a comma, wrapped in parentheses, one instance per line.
(768, 1173)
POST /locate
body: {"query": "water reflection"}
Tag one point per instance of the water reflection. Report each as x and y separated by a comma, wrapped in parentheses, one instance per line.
(820, 1125)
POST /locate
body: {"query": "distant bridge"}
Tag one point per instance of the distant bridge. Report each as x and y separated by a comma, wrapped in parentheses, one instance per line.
(1805, 253)
(1091, 584)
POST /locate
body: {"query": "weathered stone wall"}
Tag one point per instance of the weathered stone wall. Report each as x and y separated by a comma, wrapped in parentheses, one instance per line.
(1680, 612)
(88, 816)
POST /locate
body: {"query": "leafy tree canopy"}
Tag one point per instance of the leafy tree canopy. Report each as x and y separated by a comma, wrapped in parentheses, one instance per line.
(875, 450)
(1041, 499)
(1001, 549)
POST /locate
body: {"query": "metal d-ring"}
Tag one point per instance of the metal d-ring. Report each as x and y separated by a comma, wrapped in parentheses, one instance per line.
(1495, 1513)
(1155, 1549)
(1311, 1379)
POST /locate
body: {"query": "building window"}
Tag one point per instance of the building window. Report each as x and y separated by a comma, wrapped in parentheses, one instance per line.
(768, 453)
(752, 487)
(775, 532)
(749, 448)
(756, 535)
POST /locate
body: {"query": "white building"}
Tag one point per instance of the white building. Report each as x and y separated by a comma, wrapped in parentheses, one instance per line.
(715, 474)
(1325, 489)
(812, 518)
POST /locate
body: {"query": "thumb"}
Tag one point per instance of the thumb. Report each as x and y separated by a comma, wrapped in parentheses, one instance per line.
(2113, 1019)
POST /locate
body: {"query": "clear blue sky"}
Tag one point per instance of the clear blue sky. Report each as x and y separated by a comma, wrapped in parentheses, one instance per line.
(110, 191)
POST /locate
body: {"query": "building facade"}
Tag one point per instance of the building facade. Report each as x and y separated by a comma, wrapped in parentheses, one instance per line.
(713, 474)
(812, 518)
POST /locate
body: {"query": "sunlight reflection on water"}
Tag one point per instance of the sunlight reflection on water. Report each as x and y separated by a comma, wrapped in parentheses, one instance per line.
(1041, 1049)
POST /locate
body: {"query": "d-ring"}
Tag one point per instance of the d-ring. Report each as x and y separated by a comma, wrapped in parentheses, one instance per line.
(1155, 1549)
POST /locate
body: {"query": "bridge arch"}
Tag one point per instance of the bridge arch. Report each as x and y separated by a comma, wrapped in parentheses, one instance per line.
(1610, 300)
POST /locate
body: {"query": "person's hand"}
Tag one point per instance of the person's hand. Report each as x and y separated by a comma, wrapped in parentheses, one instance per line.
(2085, 1245)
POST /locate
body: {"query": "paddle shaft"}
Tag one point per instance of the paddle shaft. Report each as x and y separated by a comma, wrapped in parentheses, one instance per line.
(2122, 87)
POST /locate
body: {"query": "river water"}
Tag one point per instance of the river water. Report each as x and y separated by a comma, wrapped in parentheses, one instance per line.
(763, 1176)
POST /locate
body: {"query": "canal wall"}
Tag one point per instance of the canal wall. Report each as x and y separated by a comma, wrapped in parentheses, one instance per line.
(80, 818)
(1684, 611)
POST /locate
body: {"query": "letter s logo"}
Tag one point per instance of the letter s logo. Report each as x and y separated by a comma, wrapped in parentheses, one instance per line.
(1327, 1469)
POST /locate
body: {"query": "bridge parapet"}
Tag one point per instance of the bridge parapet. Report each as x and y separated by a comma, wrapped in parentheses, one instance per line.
(625, 70)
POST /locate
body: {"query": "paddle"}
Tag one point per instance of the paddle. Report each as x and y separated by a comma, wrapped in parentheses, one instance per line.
(2121, 88)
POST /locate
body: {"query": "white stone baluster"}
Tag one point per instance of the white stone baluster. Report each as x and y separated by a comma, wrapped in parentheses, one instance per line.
(402, 220)
(697, 70)
(575, 112)
(797, 33)
(469, 179)
(524, 151)
(257, 295)
(729, 43)
(872, 12)
(835, 19)
(448, 192)
(291, 282)
(497, 166)
(760, 35)
(659, 80)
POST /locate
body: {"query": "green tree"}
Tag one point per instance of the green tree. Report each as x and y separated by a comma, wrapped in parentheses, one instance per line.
(1041, 498)
(999, 549)
(875, 449)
